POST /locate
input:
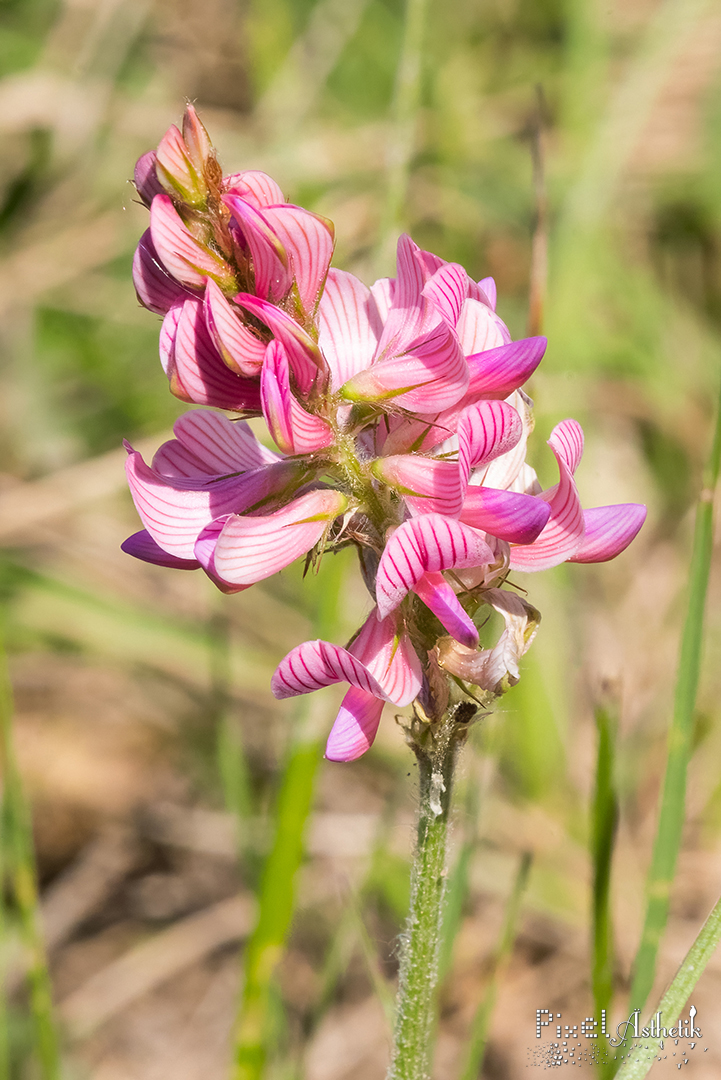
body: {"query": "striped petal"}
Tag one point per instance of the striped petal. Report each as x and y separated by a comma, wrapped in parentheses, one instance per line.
(407, 313)
(355, 726)
(567, 443)
(255, 187)
(207, 444)
(176, 172)
(349, 326)
(509, 515)
(204, 549)
(437, 594)
(314, 664)
(304, 356)
(168, 334)
(496, 373)
(447, 290)
(608, 531)
(155, 288)
(509, 469)
(423, 544)
(252, 548)
(198, 372)
(197, 141)
(308, 240)
(429, 486)
(485, 431)
(271, 267)
(479, 328)
(241, 349)
(189, 261)
(142, 546)
(387, 652)
(295, 430)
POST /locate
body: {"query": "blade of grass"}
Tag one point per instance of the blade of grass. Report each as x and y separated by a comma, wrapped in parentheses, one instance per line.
(604, 823)
(677, 994)
(673, 799)
(277, 892)
(19, 858)
(484, 1012)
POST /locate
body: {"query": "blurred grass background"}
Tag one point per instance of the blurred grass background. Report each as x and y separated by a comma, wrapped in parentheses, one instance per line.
(145, 727)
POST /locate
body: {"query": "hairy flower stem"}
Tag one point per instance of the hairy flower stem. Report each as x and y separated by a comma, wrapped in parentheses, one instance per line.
(415, 1017)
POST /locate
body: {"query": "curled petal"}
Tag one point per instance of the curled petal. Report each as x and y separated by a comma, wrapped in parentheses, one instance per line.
(146, 178)
(423, 544)
(207, 444)
(566, 441)
(355, 726)
(295, 430)
(252, 548)
(608, 531)
(304, 356)
(496, 373)
(429, 485)
(407, 312)
(447, 290)
(240, 348)
(349, 326)
(308, 240)
(142, 546)
(485, 431)
(180, 253)
(479, 328)
(508, 470)
(198, 372)
(255, 187)
(508, 515)
(315, 664)
(155, 288)
(273, 277)
(437, 594)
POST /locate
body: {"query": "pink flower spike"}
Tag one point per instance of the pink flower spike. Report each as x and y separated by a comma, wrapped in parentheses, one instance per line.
(155, 288)
(609, 531)
(488, 285)
(349, 326)
(428, 543)
(255, 187)
(252, 548)
(241, 350)
(273, 276)
(437, 594)
(308, 241)
(201, 375)
(354, 728)
(509, 515)
(184, 257)
(429, 486)
(496, 373)
(177, 173)
(142, 546)
(305, 358)
(294, 430)
(480, 329)
(208, 445)
(485, 431)
(145, 178)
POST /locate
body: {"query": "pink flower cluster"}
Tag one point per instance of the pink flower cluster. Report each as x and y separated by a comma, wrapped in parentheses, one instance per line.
(400, 425)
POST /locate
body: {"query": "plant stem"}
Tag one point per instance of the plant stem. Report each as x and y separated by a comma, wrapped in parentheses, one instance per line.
(604, 824)
(418, 977)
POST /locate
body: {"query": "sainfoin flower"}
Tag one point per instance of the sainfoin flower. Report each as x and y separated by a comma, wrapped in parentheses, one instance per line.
(401, 427)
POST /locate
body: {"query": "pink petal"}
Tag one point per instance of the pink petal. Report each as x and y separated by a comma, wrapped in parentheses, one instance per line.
(315, 664)
(207, 444)
(479, 328)
(349, 326)
(431, 373)
(437, 594)
(304, 356)
(428, 543)
(255, 187)
(142, 546)
(429, 486)
(197, 141)
(189, 261)
(175, 170)
(485, 431)
(205, 547)
(562, 536)
(308, 240)
(609, 531)
(355, 726)
(407, 315)
(146, 178)
(488, 286)
(447, 290)
(567, 443)
(155, 288)
(295, 430)
(199, 374)
(273, 277)
(387, 652)
(240, 348)
(252, 548)
(496, 373)
(168, 334)
(509, 515)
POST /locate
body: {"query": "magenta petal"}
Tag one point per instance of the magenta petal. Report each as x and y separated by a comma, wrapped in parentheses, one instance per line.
(168, 334)
(509, 515)
(447, 290)
(349, 326)
(355, 726)
(496, 373)
(488, 286)
(304, 356)
(155, 288)
(200, 374)
(437, 594)
(146, 178)
(184, 257)
(485, 431)
(207, 444)
(239, 347)
(609, 531)
(388, 653)
(295, 430)
(252, 548)
(428, 543)
(255, 187)
(308, 241)
(273, 277)
(142, 546)
(430, 486)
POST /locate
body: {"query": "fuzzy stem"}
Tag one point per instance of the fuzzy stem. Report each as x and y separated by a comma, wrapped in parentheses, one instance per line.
(415, 1018)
